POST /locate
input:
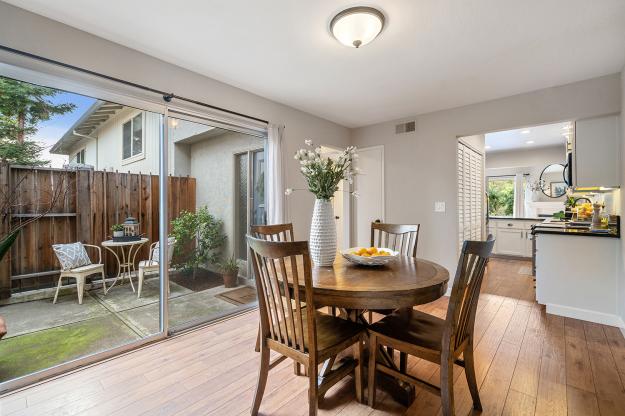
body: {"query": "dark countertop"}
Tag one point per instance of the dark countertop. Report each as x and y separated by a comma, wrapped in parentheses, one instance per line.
(537, 229)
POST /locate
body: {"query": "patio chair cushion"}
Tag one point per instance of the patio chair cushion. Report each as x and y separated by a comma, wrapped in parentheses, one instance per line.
(156, 252)
(71, 255)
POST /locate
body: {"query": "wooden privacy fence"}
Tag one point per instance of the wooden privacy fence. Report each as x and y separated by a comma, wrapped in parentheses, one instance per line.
(92, 203)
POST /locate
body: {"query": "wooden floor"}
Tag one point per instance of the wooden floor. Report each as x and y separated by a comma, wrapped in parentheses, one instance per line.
(528, 363)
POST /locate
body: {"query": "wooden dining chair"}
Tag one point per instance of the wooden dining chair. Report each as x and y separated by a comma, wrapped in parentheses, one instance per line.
(437, 340)
(398, 237)
(403, 238)
(274, 232)
(302, 334)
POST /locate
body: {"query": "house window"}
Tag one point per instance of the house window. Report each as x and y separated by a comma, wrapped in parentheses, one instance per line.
(80, 157)
(133, 137)
(501, 195)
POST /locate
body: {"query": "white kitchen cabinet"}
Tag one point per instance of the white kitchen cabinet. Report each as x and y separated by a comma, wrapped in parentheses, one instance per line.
(577, 277)
(512, 237)
(597, 160)
(511, 242)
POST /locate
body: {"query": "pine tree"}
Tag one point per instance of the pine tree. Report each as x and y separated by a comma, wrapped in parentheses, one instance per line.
(22, 107)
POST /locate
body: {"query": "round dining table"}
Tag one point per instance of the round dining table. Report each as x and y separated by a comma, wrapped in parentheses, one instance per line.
(401, 284)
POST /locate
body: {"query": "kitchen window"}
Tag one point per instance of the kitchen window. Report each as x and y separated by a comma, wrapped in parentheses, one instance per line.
(132, 133)
(501, 195)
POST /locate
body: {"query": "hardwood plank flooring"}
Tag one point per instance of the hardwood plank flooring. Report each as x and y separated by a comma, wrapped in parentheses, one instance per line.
(527, 363)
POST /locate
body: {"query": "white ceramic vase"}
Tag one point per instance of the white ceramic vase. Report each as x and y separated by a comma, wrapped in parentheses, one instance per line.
(322, 243)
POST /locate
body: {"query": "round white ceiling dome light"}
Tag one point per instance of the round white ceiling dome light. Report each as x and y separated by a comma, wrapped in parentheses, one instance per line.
(357, 26)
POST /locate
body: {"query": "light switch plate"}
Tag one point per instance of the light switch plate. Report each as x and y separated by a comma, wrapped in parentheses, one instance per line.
(439, 206)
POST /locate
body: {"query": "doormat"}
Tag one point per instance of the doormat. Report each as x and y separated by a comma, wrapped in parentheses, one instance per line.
(240, 296)
(525, 270)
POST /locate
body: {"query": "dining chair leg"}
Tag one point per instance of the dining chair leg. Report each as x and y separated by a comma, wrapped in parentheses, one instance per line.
(263, 372)
(359, 349)
(447, 387)
(403, 362)
(313, 389)
(297, 368)
(257, 348)
(469, 369)
(373, 348)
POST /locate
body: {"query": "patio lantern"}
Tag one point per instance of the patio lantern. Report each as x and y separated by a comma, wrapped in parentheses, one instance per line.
(131, 228)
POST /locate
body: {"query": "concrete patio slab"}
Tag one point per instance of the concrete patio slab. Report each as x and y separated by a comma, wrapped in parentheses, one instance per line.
(182, 309)
(37, 351)
(121, 297)
(23, 318)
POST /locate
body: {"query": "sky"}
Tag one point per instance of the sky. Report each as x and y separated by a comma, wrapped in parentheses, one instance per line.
(52, 130)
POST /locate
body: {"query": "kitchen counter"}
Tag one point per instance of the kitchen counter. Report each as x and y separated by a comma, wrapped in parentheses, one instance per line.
(562, 228)
(577, 277)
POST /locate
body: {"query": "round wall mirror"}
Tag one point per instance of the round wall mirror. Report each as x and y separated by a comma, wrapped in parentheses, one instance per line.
(552, 181)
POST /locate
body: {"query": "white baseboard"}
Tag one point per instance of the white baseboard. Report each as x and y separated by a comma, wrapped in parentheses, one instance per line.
(587, 315)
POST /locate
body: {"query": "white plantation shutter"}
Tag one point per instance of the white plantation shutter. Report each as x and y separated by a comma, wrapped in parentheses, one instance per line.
(470, 194)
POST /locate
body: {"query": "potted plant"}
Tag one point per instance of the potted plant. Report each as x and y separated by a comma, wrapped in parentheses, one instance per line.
(118, 230)
(230, 271)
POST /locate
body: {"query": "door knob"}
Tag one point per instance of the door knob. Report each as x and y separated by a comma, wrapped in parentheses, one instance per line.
(337, 217)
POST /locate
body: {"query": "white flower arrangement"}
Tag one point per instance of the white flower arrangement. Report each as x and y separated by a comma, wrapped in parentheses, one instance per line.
(324, 174)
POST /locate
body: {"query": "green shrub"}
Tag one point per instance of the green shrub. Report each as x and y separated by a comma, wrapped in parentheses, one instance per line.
(199, 239)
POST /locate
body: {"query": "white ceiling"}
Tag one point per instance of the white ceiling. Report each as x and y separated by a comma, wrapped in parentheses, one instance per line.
(432, 55)
(528, 138)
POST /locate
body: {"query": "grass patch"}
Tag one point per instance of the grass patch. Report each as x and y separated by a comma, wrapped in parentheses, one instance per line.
(37, 351)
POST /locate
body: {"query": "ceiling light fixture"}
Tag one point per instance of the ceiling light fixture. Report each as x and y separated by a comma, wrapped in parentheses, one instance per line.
(529, 142)
(487, 147)
(357, 26)
(525, 132)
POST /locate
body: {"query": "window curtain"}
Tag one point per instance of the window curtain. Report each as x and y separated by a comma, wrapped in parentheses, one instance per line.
(275, 175)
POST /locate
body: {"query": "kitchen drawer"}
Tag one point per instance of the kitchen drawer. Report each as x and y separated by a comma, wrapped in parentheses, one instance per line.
(512, 224)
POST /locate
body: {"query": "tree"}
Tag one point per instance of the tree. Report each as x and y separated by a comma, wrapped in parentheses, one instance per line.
(22, 107)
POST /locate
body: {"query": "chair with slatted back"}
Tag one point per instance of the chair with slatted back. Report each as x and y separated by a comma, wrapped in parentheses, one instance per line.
(398, 237)
(274, 232)
(302, 334)
(437, 340)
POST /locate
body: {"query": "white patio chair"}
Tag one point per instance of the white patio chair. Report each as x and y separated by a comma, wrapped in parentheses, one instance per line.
(80, 273)
(151, 264)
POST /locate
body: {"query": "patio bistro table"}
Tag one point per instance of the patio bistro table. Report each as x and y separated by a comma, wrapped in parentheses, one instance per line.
(126, 265)
(354, 289)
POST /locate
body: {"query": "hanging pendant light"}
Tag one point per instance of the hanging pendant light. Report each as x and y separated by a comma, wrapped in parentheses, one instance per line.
(357, 26)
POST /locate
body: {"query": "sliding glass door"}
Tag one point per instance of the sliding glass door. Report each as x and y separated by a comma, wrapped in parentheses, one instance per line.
(75, 172)
(223, 197)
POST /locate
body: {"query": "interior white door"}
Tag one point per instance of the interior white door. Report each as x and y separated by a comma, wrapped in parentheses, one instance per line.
(340, 198)
(369, 185)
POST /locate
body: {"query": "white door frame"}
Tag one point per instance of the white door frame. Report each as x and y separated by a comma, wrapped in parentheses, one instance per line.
(383, 190)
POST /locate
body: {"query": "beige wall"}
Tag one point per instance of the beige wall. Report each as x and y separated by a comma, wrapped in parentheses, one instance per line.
(621, 280)
(216, 190)
(420, 167)
(79, 48)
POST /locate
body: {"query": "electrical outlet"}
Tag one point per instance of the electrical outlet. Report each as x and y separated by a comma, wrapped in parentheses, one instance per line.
(439, 206)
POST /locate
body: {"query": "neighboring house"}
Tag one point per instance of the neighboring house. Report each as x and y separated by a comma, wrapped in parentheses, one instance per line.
(228, 166)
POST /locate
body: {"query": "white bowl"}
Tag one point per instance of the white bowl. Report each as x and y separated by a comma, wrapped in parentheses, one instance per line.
(369, 261)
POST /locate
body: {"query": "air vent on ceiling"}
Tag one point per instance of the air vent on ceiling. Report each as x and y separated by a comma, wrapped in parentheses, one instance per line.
(407, 127)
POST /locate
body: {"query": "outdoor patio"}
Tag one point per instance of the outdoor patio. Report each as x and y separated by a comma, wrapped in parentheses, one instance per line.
(42, 334)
